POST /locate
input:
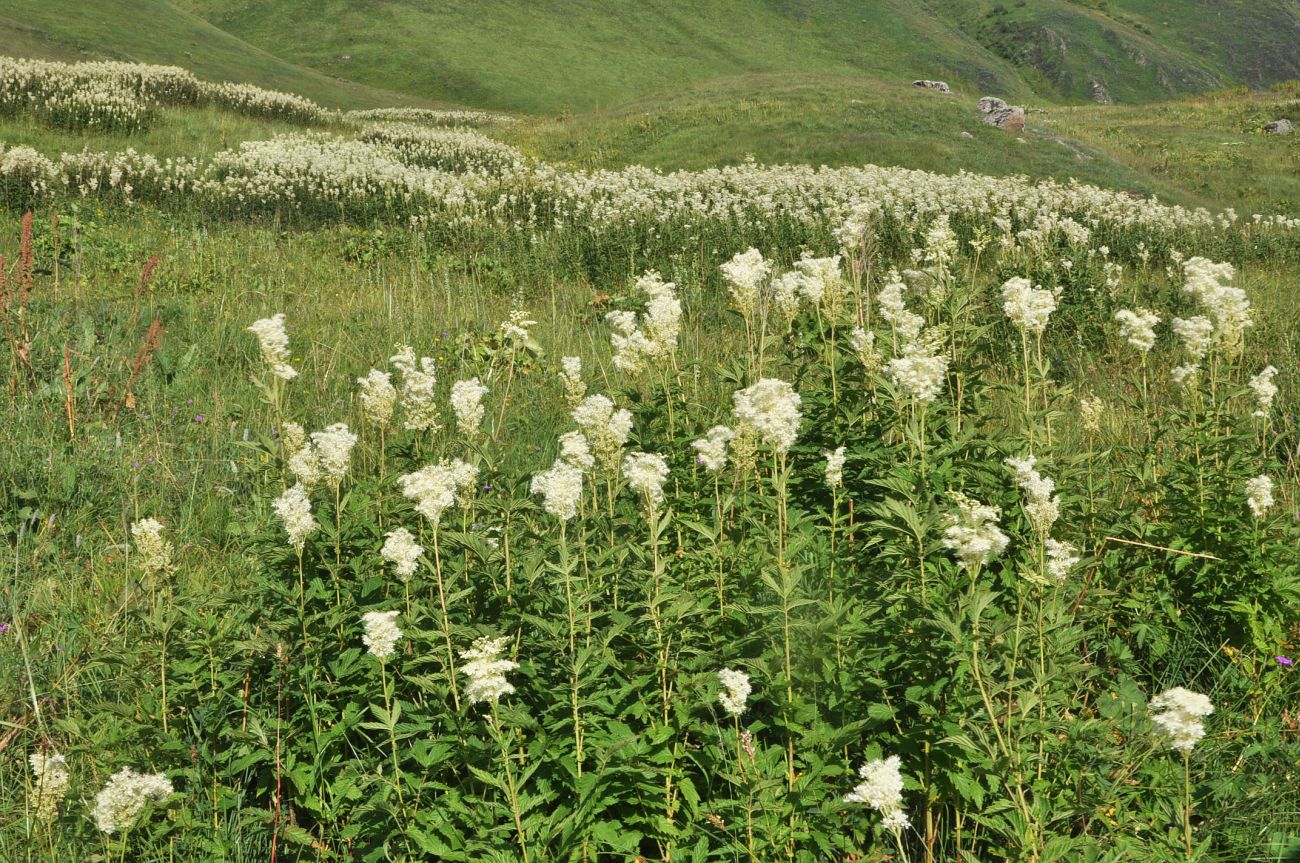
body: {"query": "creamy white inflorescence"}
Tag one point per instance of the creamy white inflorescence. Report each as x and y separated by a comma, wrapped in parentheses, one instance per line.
(881, 789)
(381, 633)
(1180, 720)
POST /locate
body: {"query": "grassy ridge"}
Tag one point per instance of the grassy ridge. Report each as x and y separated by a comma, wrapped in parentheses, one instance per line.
(584, 55)
(156, 31)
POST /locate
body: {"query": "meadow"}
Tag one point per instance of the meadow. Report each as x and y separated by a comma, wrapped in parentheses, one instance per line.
(379, 489)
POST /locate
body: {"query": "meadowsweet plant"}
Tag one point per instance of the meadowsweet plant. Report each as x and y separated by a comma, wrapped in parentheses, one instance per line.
(711, 450)
(881, 789)
(734, 696)
(378, 398)
(606, 428)
(123, 799)
(834, 467)
(770, 408)
(332, 449)
(403, 552)
(646, 474)
(153, 553)
(294, 509)
(972, 533)
(381, 633)
(273, 341)
(560, 488)
(418, 397)
(575, 389)
(1181, 724)
(467, 402)
(1259, 495)
(1264, 390)
(1137, 328)
(50, 781)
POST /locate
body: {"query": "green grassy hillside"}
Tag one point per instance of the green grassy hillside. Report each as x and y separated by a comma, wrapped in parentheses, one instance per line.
(156, 31)
(555, 54)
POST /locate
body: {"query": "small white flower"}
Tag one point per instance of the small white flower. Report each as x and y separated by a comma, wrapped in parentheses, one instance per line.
(771, 409)
(745, 275)
(834, 467)
(333, 450)
(575, 389)
(467, 403)
(881, 789)
(274, 342)
(435, 487)
(1259, 495)
(711, 450)
(560, 488)
(381, 633)
(646, 473)
(735, 690)
(294, 509)
(1042, 505)
(1027, 307)
(50, 780)
(1265, 391)
(403, 552)
(1061, 558)
(606, 428)
(378, 397)
(919, 374)
(153, 553)
(973, 533)
(487, 673)
(1180, 720)
(122, 800)
(1138, 328)
(576, 450)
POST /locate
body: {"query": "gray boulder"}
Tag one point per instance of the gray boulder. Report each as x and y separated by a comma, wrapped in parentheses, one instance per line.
(1003, 116)
(1279, 127)
(938, 86)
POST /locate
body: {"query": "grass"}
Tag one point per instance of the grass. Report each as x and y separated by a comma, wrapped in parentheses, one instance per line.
(157, 31)
(194, 132)
(585, 55)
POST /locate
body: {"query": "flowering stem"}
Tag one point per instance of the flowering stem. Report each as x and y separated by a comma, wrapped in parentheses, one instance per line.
(1187, 801)
(510, 782)
(446, 622)
(717, 539)
(392, 735)
(567, 575)
(898, 840)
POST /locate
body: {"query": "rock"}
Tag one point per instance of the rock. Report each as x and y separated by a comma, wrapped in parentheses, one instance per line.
(939, 86)
(967, 135)
(1280, 127)
(1100, 94)
(1012, 119)
(1000, 114)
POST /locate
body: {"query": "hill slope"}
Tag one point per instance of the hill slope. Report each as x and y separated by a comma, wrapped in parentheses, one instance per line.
(547, 55)
(156, 31)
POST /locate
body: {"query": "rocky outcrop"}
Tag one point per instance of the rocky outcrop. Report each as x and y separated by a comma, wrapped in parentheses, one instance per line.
(1279, 127)
(1000, 114)
(937, 86)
